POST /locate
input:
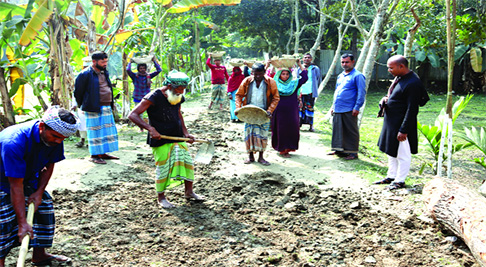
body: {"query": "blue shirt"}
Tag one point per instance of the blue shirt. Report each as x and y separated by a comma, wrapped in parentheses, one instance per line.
(24, 155)
(350, 91)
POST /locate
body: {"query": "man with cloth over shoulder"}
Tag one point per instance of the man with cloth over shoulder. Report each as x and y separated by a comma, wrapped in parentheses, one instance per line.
(349, 97)
(398, 138)
(309, 91)
(94, 94)
(28, 153)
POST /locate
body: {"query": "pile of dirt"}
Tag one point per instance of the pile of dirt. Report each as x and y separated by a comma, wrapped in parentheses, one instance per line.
(253, 218)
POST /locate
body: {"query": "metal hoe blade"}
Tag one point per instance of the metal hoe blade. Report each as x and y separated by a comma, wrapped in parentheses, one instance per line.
(205, 153)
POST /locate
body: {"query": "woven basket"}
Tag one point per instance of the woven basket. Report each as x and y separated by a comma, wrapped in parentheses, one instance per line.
(217, 54)
(237, 62)
(252, 114)
(143, 59)
(286, 61)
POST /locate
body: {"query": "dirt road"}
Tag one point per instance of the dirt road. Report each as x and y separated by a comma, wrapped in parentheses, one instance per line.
(309, 210)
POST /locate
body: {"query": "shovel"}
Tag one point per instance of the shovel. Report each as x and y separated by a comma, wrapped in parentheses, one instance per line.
(24, 248)
(205, 152)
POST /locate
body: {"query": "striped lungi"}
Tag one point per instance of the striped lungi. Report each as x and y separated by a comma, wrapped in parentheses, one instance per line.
(174, 165)
(219, 94)
(44, 223)
(256, 137)
(102, 134)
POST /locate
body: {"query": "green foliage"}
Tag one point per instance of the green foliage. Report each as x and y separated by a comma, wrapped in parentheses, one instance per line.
(433, 134)
(478, 139)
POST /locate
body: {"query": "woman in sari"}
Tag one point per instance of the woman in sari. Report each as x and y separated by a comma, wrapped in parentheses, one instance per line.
(285, 120)
(234, 82)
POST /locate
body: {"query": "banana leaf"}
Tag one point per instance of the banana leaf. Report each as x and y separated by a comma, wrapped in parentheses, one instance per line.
(13, 10)
(35, 24)
(186, 5)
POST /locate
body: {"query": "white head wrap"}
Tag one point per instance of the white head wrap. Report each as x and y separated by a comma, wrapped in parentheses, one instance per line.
(52, 119)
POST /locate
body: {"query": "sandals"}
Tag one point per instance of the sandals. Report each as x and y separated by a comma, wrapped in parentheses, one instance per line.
(385, 181)
(395, 185)
(351, 156)
(97, 160)
(54, 260)
(106, 156)
(263, 162)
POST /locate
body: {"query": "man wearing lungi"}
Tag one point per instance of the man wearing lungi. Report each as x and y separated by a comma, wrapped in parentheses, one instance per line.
(28, 154)
(174, 165)
(261, 91)
(349, 97)
(94, 94)
(309, 91)
(398, 138)
(218, 76)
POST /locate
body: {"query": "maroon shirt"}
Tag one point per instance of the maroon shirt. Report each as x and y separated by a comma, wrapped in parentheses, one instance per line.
(218, 73)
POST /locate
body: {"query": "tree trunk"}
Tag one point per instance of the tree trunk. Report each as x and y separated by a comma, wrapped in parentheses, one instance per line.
(322, 22)
(411, 36)
(126, 90)
(6, 102)
(451, 42)
(291, 33)
(298, 31)
(378, 29)
(459, 210)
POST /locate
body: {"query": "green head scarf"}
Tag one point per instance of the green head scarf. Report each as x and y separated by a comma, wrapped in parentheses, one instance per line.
(288, 87)
(176, 78)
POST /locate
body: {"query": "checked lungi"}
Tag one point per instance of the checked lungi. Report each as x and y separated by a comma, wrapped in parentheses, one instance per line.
(256, 137)
(219, 93)
(307, 110)
(174, 165)
(44, 223)
(102, 133)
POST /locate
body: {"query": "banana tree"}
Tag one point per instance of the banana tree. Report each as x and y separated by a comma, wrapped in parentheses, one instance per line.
(477, 137)
(434, 134)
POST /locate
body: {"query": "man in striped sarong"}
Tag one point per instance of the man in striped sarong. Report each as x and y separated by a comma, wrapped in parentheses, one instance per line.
(94, 95)
(28, 154)
(261, 91)
(174, 165)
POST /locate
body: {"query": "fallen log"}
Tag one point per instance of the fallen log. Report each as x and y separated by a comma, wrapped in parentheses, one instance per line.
(460, 210)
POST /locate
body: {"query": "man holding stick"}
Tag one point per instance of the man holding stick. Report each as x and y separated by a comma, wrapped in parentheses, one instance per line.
(28, 154)
(174, 165)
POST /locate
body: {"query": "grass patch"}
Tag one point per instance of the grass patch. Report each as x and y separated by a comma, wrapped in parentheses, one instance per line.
(373, 163)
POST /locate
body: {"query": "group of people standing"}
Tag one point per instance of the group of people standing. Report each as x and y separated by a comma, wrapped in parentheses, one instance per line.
(288, 96)
(30, 150)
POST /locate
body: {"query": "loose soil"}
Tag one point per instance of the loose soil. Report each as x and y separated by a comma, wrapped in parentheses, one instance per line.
(302, 211)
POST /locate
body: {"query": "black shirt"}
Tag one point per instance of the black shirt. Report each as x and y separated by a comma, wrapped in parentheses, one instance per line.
(164, 117)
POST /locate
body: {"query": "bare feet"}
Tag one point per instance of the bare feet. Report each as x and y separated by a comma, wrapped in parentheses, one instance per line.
(166, 204)
(194, 196)
(285, 155)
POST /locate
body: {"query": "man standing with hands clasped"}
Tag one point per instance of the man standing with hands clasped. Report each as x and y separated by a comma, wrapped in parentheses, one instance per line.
(398, 137)
(348, 99)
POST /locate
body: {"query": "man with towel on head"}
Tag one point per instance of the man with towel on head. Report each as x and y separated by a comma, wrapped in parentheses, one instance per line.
(28, 153)
(261, 91)
(174, 165)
